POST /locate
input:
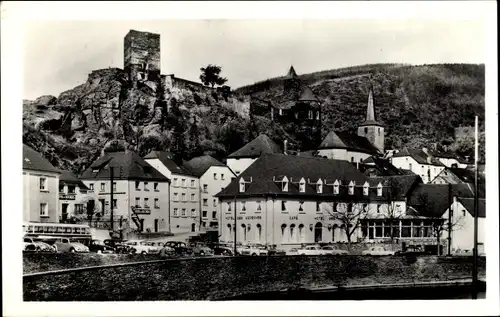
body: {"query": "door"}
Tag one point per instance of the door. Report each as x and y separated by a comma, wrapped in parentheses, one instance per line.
(64, 212)
(156, 225)
(142, 225)
(103, 205)
(318, 232)
(193, 227)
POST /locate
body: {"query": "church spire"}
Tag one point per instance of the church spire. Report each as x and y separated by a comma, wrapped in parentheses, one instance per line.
(370, 111)
(292, 73)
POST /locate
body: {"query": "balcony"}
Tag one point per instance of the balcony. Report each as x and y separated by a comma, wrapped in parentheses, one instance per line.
(63, 196)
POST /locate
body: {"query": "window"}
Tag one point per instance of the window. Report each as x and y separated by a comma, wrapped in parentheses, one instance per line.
(78, 208)
(243, 206)
(155, 187)
(317, 115)
(205, 188)
(205, 202)
(91, 186)
(463, 212)
(176, 212)
(137, 202)
(336, 187)
(406, 228)
(280, 111)
(318, 206)
(43, 183)
(351, 188)
(192, 183)
(352, 159)
(365, 189)
(183, 182)
(409, 166)
(214, 214)
(193, 212)
(215, 202)
(258, 205)
(176, 197)
(319, 188)
(115, 203)
(157, 204)
(183, 212)
(379, 189)
(300, 206)
(283, 205)
(71, 189)
(193, 197)
(137, 183)
(310, 114)
(366, 130)
(146, 202)
(44, 212)
(183, 196)
(114, 187)
(146, 186)
(215, 176)
(175, 181)
(228, 206)
(61, 188)
(379, 131)
(222, 176)
(378, 208)
(242, 186)
(204, 214)
(284, 186)
(302, 186)
(103, 187)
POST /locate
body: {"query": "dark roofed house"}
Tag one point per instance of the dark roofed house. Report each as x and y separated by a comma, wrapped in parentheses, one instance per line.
(32, 160)
(199, 165)
(165, 158)
(376, 166)
(461, 176)
(255, 148)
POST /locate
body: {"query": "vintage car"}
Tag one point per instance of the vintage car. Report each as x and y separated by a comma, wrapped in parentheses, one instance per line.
(330, 250)
(254, 250)
(199, 249)
(378, 251)
(99, 246)
(293, 251)
(273, 250)
(311, 250)
(36, 245)
(65, 245)
(222, 250)
(180, 247)
(118, 246)
(142, 247)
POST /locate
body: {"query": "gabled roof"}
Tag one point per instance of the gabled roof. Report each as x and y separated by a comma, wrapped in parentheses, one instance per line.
(418, 155)
(306, 94)
(345, 140)
(32, 160)
(199, 165)
(383, 166)
(166, 159)
(431, 200)
(267, 171)
(255, 148)
(69, 178)
(468, 203)
(401, 185)
(127, 165)
(461, 175)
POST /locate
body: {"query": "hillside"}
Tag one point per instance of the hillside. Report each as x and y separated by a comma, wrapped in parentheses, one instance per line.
(419, 105)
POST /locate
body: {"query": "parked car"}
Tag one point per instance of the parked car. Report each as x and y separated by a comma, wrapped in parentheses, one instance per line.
(202, 250)
(65, 245)
(378, 251)
(180, 247)
(330, 250)
(311, 250)
(221, 250)
(118, 246)
(141, 247)
(254, 250)
(36, 245)
(293, 251)
(99, 246)
(272, 250)
(414, 252)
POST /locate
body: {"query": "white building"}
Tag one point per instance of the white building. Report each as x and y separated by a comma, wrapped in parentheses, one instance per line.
(40, 188)
(240, 160)
(420, 162)
(184, 192)
(214, 176)
(140, 192)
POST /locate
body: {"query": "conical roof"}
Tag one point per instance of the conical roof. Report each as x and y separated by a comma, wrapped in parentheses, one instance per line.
(332, 140)
(255, 148)
(291, 73)
(307, 95)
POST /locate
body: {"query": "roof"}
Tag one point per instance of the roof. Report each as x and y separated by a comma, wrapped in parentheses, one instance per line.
(419, 155)
(166, 159)
(68, 177)
(127, 165)
(370, 111)
(306, 94)
(32, 160)
(291, 73)
(464, 176)
(384, 167)
(199, 165)
(345, 140)
(468, 203)
(402, 185)
(265, 174)
(432, 200)
(255, 148)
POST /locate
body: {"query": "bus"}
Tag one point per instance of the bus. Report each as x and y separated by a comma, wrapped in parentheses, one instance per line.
(74, 232)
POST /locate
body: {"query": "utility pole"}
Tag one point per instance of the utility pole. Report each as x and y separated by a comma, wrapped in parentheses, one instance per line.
(450, 211)
(474, 264)
(235, 227)
(111, 202)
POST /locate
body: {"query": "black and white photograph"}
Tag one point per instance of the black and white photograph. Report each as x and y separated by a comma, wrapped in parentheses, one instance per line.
(182, 158)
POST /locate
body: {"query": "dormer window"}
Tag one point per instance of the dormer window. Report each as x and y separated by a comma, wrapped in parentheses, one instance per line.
(242, 185)
(300, 206)
(351, 188)
(243, 206)
(336, 187)
(317, 115)
(280, 111)
(284, 184)
(319, 186)
(310, 114)
(366, 187)
(95, 170)
(302, 186)
(379, 189)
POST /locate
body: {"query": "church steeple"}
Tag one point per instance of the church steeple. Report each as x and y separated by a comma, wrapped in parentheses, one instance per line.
(291, 73)
(371, 129)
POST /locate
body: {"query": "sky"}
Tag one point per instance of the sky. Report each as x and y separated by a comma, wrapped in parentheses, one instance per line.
(59, 55)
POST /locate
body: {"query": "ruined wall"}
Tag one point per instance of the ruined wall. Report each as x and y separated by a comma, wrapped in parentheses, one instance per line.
(142, 55)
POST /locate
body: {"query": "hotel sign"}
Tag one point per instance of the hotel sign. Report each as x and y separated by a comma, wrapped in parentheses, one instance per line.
(67, 196)
(142, 211)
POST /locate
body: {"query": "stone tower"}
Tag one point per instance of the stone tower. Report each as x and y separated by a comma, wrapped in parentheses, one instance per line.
(371, 129)
(142, 56)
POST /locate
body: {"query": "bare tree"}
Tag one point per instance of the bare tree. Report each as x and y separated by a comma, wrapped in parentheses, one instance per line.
(391, 210)
(89, 210)
(350, 215)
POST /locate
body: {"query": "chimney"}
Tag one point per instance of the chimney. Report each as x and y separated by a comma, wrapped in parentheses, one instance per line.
(285, 147)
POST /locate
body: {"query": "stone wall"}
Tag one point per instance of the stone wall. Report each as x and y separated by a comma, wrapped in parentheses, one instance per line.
(217, 278)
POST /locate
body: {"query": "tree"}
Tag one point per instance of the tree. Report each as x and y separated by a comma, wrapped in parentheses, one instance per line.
(350, 215)
(89, 210)
(392, 212)
(210, 76)
(194, 140)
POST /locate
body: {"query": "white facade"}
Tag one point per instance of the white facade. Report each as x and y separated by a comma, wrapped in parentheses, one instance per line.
(449, 162)
(72, 200)
(212, 182)
(239, 165)
(40, 196)
(151, 198)
(426, 171)
(343, 154)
